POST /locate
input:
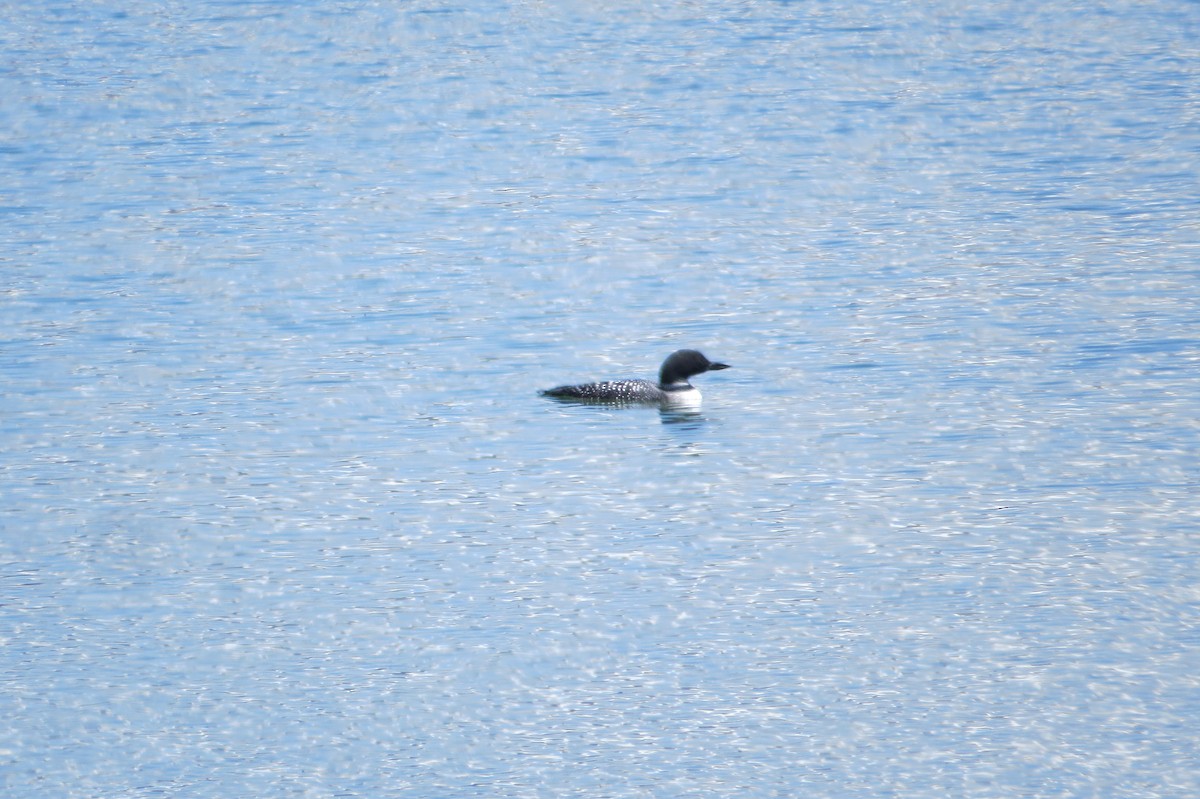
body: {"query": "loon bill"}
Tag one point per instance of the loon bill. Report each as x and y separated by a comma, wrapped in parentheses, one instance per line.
(672, 387)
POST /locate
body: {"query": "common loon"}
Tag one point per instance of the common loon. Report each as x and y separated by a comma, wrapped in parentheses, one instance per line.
(672, 387)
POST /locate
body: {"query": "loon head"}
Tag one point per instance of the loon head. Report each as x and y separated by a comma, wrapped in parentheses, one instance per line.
(682, 364)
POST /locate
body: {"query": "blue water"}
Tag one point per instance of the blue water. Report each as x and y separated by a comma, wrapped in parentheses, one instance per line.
(283, 515)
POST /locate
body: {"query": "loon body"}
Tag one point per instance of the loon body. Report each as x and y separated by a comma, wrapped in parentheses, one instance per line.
(671, 389)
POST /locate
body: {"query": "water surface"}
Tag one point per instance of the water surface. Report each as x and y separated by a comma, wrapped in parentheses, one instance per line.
(283, 514)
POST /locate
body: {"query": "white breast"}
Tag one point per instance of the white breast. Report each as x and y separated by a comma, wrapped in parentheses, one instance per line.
(684, 398)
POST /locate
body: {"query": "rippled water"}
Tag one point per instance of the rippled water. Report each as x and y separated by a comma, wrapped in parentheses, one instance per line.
(283, 513)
